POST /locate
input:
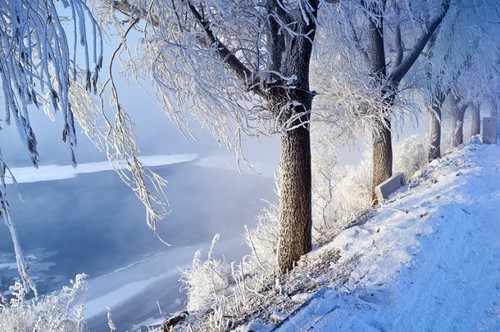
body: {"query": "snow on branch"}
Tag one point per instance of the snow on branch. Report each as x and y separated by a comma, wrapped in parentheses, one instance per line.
(464, 55)
(36, 61)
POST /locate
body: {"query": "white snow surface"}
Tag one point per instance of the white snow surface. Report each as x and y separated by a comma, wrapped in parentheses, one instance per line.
(54, 172)
(428, 261)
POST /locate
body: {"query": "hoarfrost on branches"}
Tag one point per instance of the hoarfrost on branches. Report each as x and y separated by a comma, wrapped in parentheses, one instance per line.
(41, 67)
(210, 61)
(37, 65)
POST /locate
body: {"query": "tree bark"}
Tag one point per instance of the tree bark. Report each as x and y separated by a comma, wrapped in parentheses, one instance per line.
(381, 136)
(292, 102)
(494, 107)
(476, 120)
(458, 128)
(295, 194)
(435, 125)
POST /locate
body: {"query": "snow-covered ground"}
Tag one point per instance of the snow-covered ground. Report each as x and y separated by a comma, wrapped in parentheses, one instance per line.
(429, 260)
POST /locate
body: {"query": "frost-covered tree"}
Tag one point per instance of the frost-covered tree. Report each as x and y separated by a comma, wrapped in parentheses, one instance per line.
(462, 64)
(379, 42)
(237, 66)
(38, 62)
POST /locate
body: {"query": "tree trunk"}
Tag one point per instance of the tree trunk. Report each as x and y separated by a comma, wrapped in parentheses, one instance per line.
(494, 108)
(458, 121)
(458, 128)
(382, 153)
(435, 133)
(435, 125)
(476, 119)
(295, 195)
(382, 136)
(291, 54)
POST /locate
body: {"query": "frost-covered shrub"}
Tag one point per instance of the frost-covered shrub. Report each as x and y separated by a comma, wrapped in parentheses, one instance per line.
(410, 155)
(59, 311)
(217, 289)
(263, 241)
(206, 280)
(339, 196)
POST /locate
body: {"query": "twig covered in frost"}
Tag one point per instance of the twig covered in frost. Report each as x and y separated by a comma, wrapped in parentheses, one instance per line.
(22, 262)
(111, 325)
(36, 63)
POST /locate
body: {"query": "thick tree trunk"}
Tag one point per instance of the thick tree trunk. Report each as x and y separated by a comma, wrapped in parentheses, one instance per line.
(295, 195)
(382, 153)
(458, 121)
(291, 53)
(435, 133)
(476, 120)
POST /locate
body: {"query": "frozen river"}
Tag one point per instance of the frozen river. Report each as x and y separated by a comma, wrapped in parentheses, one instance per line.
(93, 223)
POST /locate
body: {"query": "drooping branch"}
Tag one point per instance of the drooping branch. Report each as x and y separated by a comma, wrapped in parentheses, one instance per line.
(36, 64)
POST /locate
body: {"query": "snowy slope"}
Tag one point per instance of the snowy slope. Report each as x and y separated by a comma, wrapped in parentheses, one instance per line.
(428, 261)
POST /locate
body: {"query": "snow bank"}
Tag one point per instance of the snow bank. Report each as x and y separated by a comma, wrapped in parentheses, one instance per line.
(54, 172)
(429, 260)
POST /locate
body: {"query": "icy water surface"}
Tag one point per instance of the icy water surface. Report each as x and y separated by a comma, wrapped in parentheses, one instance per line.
(94, 224)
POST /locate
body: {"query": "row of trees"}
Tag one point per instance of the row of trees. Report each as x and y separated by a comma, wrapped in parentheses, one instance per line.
(244, 67)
